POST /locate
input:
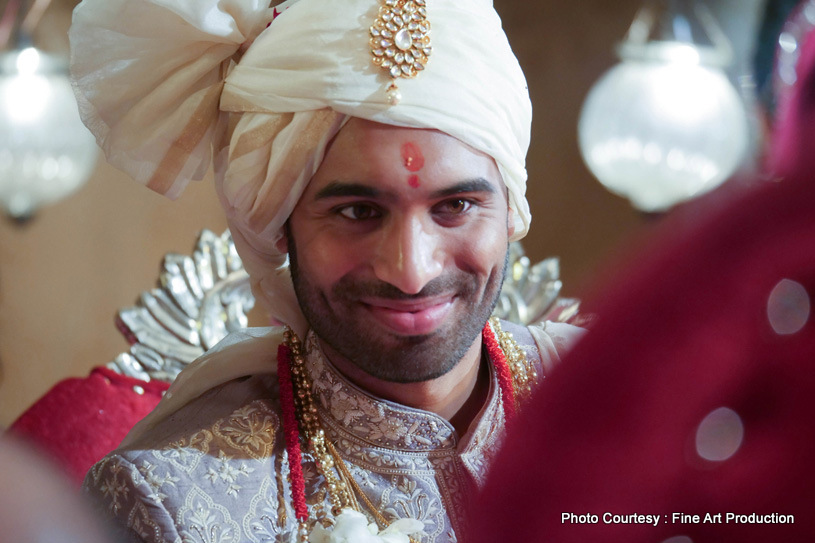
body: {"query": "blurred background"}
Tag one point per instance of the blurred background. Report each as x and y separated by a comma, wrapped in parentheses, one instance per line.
(67, 269)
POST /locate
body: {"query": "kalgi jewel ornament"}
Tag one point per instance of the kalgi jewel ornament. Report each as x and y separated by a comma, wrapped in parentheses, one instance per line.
(400, 41)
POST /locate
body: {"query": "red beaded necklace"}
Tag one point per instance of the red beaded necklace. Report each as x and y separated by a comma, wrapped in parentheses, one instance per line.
(292, 432)
(291, 422)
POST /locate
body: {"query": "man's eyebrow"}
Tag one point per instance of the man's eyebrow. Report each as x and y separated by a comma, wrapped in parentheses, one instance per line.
(471, 185)
(336, 189)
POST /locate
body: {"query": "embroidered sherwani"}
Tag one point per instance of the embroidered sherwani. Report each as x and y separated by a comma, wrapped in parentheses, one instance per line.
(217, 469)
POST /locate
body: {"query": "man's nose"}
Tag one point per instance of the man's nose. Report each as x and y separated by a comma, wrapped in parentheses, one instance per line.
(409, 255)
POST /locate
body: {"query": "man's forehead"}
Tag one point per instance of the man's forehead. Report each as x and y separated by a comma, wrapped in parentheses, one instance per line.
(364, 151)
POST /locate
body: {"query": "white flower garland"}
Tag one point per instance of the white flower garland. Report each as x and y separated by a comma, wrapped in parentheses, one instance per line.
(353, 527)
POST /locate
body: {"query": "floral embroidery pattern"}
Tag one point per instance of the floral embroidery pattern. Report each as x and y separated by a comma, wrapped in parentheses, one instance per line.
(227, 471)
(151, 477)
(407, 498)
(206, 521)
(185, 454)
(251, 429)
(261, 521)
(114, 487)
(141, 523)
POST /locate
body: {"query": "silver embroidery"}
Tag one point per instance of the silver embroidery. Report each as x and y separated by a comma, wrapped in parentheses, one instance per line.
(114, 486)
(156, 481)
(205, 521)
(228, 472)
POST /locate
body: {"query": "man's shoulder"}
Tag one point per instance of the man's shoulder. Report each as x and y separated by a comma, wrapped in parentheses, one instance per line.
(219, 456)
(216, 440)
(545, 342)
(523, 337)
(246, 405)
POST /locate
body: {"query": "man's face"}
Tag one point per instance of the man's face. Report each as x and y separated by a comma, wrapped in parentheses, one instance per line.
(398, 249)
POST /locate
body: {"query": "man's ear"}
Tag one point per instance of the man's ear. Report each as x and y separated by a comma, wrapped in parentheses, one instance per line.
(510, 221)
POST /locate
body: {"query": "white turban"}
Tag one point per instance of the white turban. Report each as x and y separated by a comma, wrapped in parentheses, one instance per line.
(170, 86)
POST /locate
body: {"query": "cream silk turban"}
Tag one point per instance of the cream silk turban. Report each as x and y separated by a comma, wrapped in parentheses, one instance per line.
(170, 86)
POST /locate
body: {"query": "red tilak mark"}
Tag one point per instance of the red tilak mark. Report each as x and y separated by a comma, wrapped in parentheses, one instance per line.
(413, 181)
(412, 157)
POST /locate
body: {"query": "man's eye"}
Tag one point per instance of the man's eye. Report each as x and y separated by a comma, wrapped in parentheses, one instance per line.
(456, 206)
(359, 212)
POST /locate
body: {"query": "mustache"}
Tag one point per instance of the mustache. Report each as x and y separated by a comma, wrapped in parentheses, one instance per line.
(351, 288)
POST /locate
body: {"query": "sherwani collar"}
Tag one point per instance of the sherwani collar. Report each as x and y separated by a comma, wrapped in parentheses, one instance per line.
(382, 423)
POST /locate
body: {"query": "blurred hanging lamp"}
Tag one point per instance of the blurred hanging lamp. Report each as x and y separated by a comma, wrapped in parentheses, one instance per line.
(800, 22)
(666, 124)
(46, 153)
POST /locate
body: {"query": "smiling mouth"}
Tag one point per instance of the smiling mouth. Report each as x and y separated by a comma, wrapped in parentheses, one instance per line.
(411, 317)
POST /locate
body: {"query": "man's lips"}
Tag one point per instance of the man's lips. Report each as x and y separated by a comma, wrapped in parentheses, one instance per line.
(410, 317)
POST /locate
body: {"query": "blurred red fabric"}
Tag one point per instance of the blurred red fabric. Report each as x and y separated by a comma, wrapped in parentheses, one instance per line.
(80, 420)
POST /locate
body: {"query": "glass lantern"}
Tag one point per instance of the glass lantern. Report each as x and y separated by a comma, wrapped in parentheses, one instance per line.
(46, 152)
(665, 124)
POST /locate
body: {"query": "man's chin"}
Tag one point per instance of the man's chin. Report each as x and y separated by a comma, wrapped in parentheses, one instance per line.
(402, 358)
(410, 360)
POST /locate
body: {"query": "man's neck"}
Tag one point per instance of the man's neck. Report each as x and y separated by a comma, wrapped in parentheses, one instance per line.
(457, 396)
